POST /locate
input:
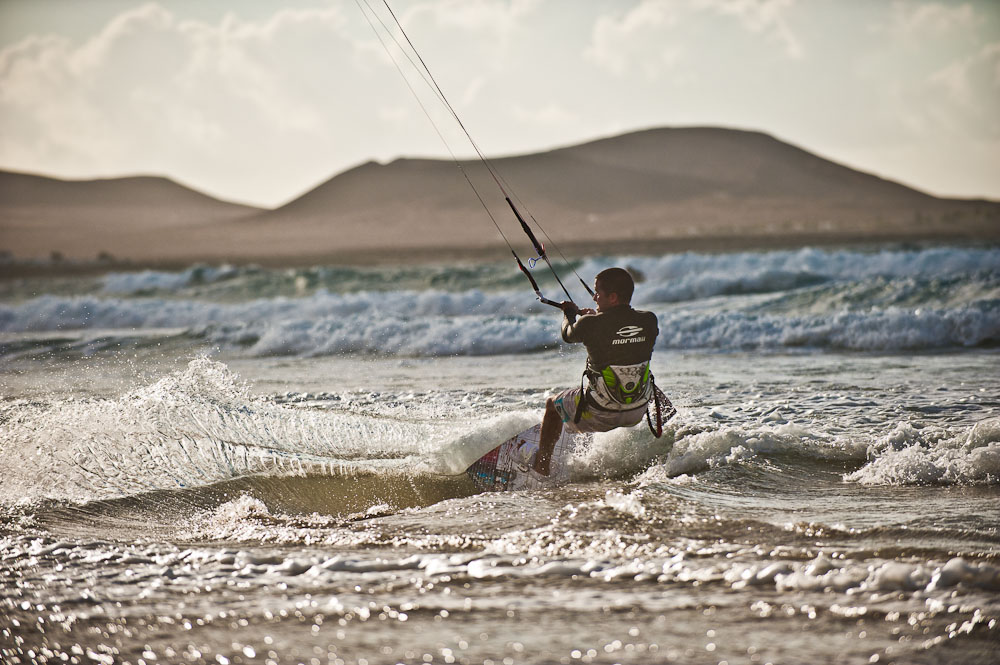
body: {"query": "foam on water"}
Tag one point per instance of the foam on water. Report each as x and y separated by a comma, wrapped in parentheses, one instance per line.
(696, 451)
(574, 544)
(932, 455)
(905, 455)
(936, 580)
(621, 452)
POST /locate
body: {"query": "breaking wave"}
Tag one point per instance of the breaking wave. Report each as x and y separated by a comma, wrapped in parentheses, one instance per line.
(448, 324)
(934, 456)
(812, 299)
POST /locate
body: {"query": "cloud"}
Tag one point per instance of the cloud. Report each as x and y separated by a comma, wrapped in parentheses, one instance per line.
(152, 93)
(484, 27)
(550, 115)
(620, 42)
(760, 16)
(474, 15)
(971, 87)
(651, 38)
(941, 64)
(920, 19)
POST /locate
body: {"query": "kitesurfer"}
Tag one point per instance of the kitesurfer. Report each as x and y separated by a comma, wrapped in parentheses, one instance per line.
(616, 382)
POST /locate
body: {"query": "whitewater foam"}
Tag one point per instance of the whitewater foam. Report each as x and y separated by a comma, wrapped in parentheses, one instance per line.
(730, 445)
(932, 455)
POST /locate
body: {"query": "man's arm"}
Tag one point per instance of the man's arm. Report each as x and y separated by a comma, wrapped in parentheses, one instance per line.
(571, 323)
(656, 326)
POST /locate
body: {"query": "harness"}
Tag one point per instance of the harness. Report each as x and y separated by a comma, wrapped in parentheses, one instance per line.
(619, 387)
(624, 388)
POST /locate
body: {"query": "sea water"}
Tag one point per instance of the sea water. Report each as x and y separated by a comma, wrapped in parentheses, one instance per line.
(249, 465)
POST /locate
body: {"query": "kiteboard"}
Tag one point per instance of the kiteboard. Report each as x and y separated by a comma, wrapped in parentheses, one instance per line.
(509, 466)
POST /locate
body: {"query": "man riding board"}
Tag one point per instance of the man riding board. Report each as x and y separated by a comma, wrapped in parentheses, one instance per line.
(617, 383)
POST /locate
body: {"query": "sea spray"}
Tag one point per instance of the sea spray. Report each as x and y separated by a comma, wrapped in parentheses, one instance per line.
(195, 428)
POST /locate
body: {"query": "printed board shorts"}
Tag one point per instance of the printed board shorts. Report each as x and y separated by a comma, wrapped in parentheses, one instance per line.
(594, 420)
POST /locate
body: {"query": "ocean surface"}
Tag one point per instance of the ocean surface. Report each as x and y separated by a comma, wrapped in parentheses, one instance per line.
(248, 465)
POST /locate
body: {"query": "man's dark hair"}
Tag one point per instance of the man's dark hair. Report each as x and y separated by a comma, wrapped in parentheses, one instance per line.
(617, 280)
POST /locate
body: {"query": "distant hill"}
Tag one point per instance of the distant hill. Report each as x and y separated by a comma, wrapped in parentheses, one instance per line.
(654, 190)
(125, 217)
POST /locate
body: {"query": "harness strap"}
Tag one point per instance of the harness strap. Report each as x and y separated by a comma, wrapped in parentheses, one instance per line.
(664, 410)
(584, 398)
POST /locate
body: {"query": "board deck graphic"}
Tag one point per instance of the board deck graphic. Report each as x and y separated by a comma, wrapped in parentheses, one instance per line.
(508, 466)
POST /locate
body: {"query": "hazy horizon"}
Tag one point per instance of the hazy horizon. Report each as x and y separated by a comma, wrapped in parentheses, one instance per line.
(258, 104)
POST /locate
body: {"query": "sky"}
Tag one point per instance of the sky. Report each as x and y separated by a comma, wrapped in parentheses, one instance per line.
(258, 101)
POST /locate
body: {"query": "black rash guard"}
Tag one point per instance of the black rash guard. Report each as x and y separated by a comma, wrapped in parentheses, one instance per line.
(616, 336)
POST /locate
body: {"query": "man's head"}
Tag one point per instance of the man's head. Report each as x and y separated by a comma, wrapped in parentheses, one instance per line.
(612, 287)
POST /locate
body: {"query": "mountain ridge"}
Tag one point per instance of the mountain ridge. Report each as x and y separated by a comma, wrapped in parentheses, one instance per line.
(662, 186)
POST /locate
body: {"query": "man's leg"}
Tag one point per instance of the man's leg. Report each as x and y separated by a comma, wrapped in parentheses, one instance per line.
(551, 429)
